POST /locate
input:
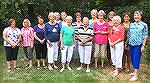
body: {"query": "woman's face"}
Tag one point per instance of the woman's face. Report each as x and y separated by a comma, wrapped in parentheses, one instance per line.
(26, 24)
(52, 18)
(57, 16)
(137, 17)
(116, 22)
(78, 18)
(63, 16)
(40, 21)
(13, 24)
(111, 16)
(93, 14)
(100, 17)
(126, 18)
(69, 21)
(85, 22)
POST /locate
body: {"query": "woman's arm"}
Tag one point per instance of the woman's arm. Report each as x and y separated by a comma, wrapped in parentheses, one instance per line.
(5, 37)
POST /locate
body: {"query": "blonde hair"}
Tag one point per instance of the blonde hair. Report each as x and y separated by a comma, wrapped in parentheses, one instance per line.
(57, 13)
(51, 14)
(111, 12)
(94, 10)
(26, 20)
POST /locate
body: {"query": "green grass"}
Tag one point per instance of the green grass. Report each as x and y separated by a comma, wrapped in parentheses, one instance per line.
(38, 76)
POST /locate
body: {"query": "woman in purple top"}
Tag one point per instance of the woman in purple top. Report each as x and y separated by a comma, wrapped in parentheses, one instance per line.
(40, 43)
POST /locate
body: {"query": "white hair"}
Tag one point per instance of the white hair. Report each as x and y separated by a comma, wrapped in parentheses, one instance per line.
(69, 17)
(117, 18)
(51, 14)
(101, 12)
(85, 18)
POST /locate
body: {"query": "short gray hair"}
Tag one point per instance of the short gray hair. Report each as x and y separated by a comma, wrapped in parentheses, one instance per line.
(69, 17)
(101, 12)
(138, 12)
(117, 18)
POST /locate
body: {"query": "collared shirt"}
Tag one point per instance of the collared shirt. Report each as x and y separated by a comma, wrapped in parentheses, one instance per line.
(13, 35)
(27, 36)
(116, 33)
(67, 35)
(52, 32)
(76, 27)
(84, 34)
(137, 33)
(100, 38)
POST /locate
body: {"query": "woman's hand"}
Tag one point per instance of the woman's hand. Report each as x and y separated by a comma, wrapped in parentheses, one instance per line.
(112, 44)
(31, 46)
(142, 48)
(62, 46)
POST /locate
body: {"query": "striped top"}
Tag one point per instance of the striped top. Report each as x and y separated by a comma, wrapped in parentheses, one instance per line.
(84, 34)
(76, 28)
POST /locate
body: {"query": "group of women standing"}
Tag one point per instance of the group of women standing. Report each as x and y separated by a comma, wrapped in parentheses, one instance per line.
(108, 38)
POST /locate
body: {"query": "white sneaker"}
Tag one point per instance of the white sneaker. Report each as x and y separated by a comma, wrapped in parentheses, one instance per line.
(69, 68)
(131, 74)
(50, 68)
(79, 68)
(62, 70)
(133, 78)
(55, 67)
(88, 70)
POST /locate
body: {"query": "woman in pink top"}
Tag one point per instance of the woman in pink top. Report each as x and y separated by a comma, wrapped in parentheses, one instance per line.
(100, 38)
(27, 33)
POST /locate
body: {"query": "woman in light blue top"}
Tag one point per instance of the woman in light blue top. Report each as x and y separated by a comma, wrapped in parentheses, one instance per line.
(137, 36)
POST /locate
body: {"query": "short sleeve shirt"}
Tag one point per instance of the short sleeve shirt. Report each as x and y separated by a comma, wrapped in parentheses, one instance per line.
(27, 36)
(137, 33)
(100, 38)
(68, 35)
(13, 35)
(84, 34)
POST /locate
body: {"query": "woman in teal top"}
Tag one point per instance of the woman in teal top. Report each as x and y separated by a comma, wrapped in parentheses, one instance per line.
(137, 37)
(67, 43)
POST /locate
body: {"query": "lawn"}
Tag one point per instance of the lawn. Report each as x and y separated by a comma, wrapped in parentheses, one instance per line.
(96, 75)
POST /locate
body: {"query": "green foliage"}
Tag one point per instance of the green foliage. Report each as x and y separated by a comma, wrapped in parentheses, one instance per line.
(21, 9)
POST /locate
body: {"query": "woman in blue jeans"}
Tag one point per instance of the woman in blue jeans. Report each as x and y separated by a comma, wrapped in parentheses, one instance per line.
(137, 36)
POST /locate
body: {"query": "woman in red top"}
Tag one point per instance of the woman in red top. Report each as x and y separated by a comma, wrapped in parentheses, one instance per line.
(116, 41)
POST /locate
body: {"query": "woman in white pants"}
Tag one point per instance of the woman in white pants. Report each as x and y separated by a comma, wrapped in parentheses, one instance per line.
(52, 35)
(116, 41)
(85, 36)
(67, 43)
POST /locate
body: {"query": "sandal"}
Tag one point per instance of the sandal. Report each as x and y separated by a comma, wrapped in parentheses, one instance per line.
(8, 69)
(38, 67)
(17, 68)
(115, 74)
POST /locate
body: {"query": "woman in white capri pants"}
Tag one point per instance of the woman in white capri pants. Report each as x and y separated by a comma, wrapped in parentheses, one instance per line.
(116, 41)
(85, 36)
(67, 43)
(52, 35)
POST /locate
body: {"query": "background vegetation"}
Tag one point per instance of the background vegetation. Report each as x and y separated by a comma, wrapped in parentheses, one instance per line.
(21, 9)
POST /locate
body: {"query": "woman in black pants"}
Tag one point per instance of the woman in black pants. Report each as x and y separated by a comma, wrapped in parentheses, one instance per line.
(40, 43)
